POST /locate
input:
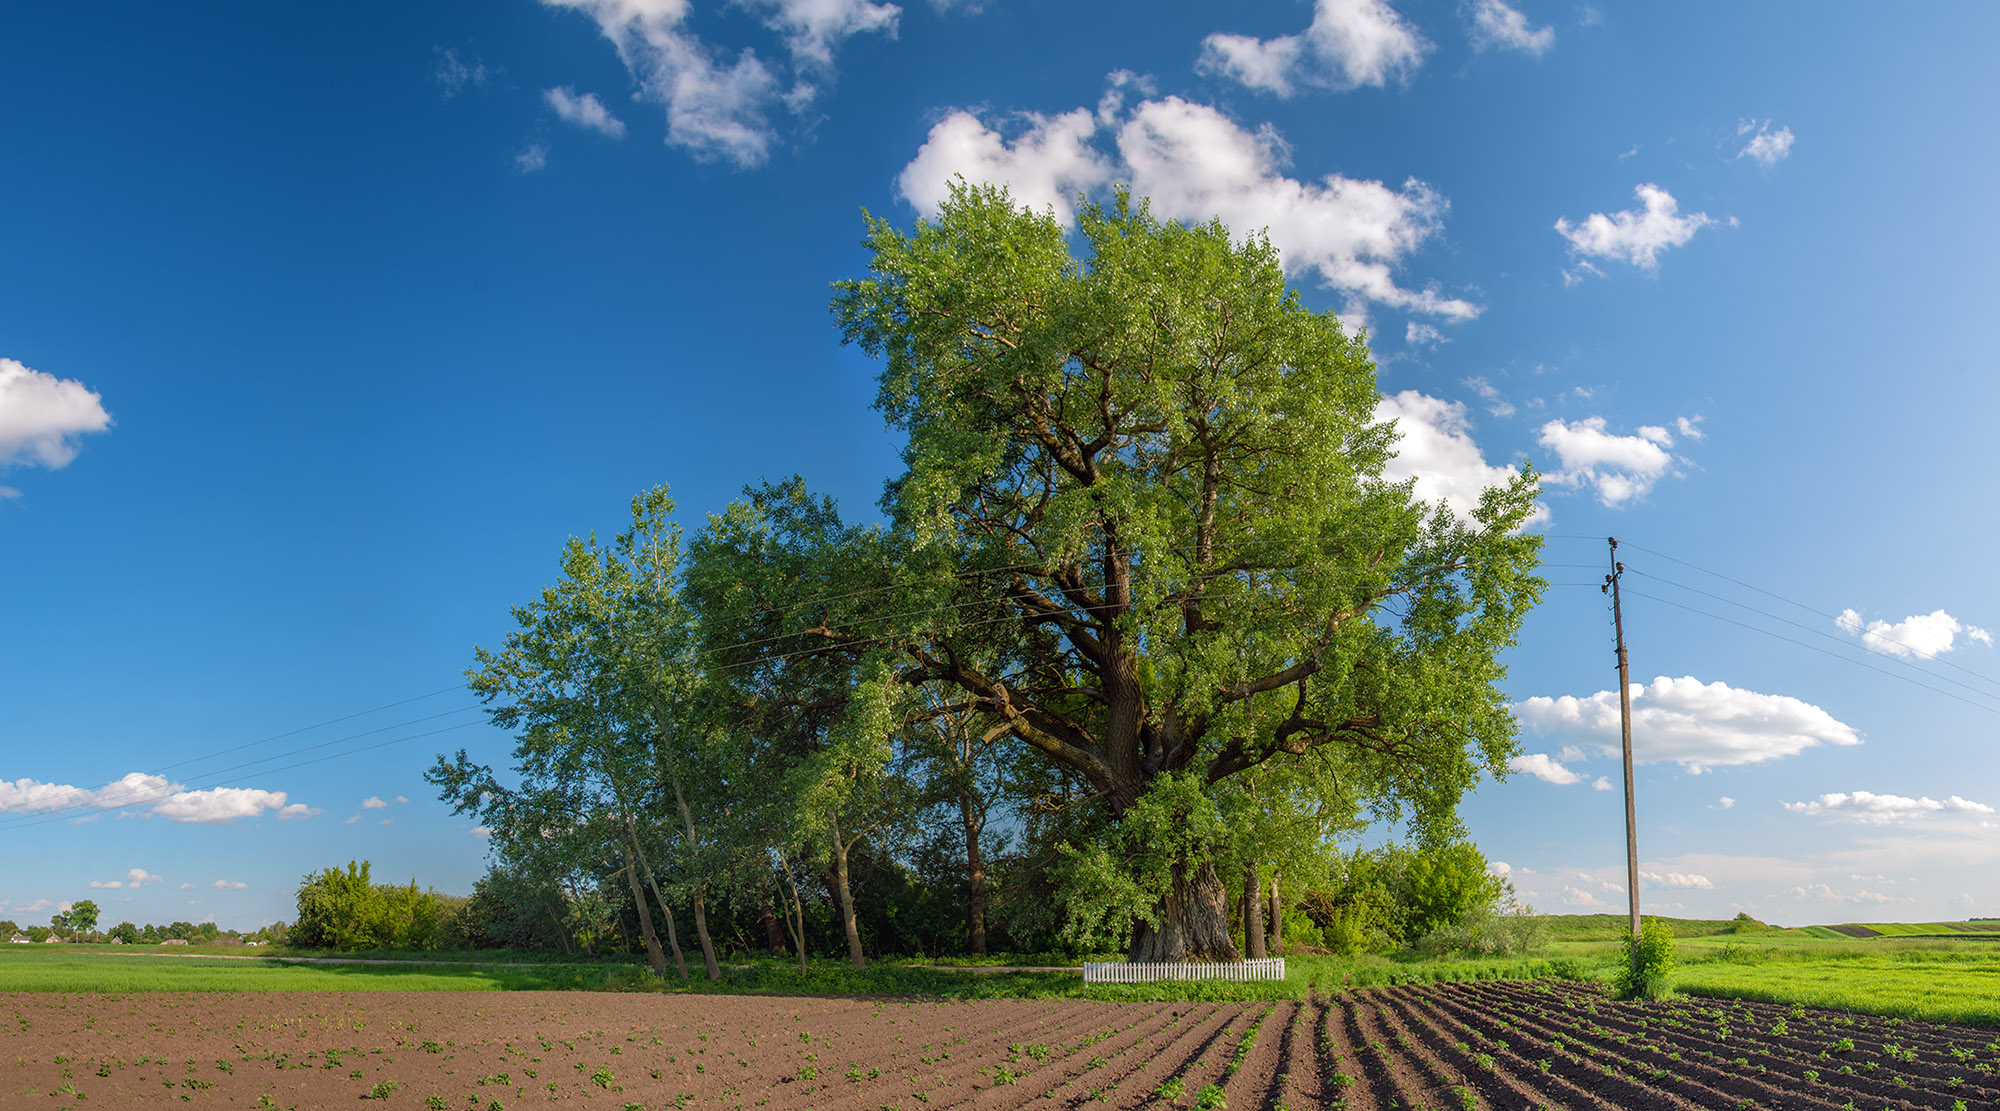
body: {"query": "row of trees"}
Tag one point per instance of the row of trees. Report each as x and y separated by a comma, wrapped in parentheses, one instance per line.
(79, 924)
(1145, 634)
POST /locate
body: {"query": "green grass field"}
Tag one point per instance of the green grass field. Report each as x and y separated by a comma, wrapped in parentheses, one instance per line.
(1942, 971)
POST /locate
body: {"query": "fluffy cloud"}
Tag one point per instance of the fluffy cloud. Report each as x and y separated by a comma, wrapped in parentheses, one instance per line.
(1044, 168)
(533, 158)
(107, 883)
(1436, 449)
(1541, 767)
(584, 111)
(1677, 880)
(1764, 145)
(229, 885)
(297, 811)
(1617, 467)
(1349, 44)
(1869, 808)
(1602, 784)
(1685, 721)
(216, 806)
(1926, 635)
(1636, 236)
(1193, 163)
(719, 107)
(1578, 897)
(1494, 24)
(1725, 803)
(1825, 893)
(42, 415)
(139, 877)
(373, 803)
(1499, 868)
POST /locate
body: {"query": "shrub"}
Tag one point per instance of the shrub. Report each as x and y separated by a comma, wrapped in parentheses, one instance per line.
(1649, 963)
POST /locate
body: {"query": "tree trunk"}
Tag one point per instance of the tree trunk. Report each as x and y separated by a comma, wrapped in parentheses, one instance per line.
(975, 872)
(1253, 913)
(653, 955)
(667, 912)
(774, 934)
(700, 911)
(1277, 945)
(844, 895)
(1194, 922)
(798, 911)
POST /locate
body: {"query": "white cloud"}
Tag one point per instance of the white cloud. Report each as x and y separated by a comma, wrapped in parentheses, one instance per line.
(1044, 169)
(1764, 145)
(106, 884)
(533, 158)
(1495, 404)
(42, 415)
(1826, 893)
(1685, 721)
(1869, 808)
(38, 905)
(584, 111)
(187, 887)
(350, 821)
(1637, 235)
(1603, 784)
(1618, 468)
(1195, 164)
(454, 74)
(401, 799)
(482, 832)
(1435, 448)
(812, 28)
(373, 803)
(1499, 868)
(1578, 897)
(1495, 24)
(228, 885)
(718, 107)
(1541, 767)
(1678, 880)
(297, 811)
(1423, 335)
(1192, 163)
(1725, 803)
(219, 805)
(1927, 635)
(1349, 44)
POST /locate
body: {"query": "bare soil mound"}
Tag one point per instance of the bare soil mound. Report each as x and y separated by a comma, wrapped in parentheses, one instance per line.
(1479, 1045)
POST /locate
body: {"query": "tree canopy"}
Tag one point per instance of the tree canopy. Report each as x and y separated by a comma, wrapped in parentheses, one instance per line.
(1144, 501)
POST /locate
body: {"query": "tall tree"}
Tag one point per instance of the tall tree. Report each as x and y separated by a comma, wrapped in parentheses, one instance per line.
(1161, 475)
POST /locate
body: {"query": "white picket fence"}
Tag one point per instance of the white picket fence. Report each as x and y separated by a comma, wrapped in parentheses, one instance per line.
(1146, 972)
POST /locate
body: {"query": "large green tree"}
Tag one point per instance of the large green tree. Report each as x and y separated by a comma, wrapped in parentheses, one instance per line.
(1143, 526)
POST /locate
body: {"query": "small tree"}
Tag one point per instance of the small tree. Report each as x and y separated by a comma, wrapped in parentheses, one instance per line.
(83, 916)
(125, 932)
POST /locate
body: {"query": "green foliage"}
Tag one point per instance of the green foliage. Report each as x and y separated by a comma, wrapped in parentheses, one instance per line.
(1438, 897)
(1647, 972)
(83, 916)
(1167, 833)
(125, 932)
(343, 909)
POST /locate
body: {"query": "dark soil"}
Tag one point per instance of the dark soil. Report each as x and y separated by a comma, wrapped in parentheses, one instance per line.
(1449, 1046)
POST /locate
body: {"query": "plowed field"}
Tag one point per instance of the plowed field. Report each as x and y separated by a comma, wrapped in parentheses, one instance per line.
(1477, 1045)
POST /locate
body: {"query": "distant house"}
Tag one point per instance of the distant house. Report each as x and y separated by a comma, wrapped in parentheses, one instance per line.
(52, 940)
(175, 941)
(117, 941)
(253, 943)
(20, 939)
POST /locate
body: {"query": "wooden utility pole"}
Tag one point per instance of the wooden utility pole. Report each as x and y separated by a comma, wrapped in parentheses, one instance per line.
(1625, 731)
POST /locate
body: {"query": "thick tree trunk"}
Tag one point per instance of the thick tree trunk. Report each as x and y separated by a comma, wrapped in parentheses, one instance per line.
(843, 895)
(1194, 922)
(700, 911)
(653, 955)
(1277, 945)
(975, 873)
(1253, 913)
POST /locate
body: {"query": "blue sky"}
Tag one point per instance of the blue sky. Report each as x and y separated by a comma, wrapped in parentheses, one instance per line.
(321, 329)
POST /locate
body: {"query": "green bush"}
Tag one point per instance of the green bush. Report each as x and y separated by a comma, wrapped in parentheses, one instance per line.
(1649, 963)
